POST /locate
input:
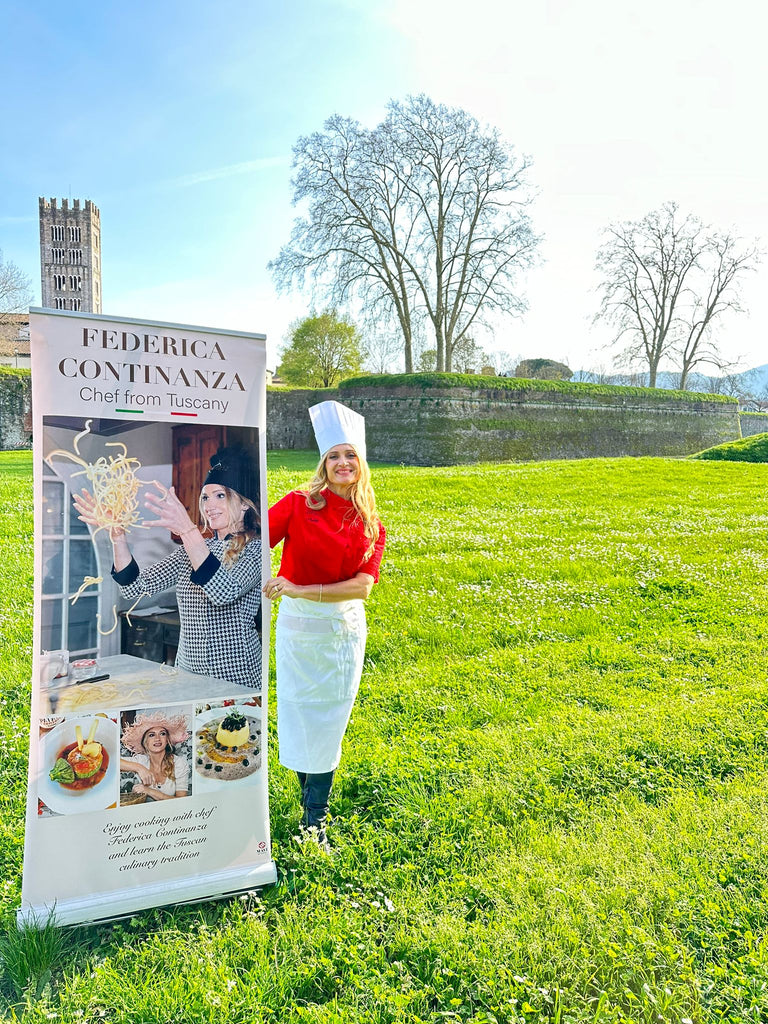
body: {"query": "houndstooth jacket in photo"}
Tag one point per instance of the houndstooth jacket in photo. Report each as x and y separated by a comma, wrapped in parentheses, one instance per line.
(217, 609)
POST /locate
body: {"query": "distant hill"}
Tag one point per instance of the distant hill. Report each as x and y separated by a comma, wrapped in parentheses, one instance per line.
(748, 382)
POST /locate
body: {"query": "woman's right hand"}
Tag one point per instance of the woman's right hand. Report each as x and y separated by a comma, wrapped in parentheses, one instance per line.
(170, 512)
(146, 790)
(279, 586)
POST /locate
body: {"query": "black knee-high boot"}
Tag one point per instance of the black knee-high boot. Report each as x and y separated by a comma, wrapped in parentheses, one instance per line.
(317, 792)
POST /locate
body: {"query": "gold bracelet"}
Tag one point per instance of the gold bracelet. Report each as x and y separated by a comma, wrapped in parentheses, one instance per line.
(185, 532)
(320, 599)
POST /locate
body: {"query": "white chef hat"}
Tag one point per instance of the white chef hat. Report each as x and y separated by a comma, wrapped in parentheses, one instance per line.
(333, 423)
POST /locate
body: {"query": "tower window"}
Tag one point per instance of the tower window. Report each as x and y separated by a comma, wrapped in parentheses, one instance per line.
(76, 303)
(75, 283)
(60, 303)
(57, 255)
(60, 281)
(57, 232)
(74, 234)
(75, 255)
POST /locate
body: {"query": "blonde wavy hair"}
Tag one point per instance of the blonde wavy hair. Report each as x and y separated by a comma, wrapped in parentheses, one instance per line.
(236, 544)
(168, 765)
(362, 497)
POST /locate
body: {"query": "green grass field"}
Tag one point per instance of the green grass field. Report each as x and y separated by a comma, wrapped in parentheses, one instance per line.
(552, 804)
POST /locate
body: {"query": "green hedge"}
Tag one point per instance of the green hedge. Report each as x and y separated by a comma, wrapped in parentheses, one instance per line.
(477, 382)
(13, 371)
(748, 449)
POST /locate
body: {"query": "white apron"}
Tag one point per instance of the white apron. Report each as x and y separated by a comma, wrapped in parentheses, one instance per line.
(319, 652)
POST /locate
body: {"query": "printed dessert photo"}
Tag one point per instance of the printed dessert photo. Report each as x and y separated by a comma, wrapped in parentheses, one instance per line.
(227, 742)
(79, 764)
(155, 755)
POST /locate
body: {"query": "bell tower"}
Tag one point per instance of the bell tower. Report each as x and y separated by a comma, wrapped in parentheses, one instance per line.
(70, 255)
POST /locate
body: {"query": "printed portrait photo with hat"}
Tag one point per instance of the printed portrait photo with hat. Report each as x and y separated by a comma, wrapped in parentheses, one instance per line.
(155, 754)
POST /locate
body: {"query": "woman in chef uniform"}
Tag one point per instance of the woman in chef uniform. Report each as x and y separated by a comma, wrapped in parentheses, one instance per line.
(333, 543)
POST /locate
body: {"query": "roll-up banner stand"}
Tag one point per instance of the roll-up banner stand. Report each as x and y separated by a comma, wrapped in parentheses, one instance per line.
(122, 408)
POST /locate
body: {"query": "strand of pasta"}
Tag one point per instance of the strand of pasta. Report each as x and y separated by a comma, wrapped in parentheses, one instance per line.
(77, 696)
(88, 581)
(114, 614)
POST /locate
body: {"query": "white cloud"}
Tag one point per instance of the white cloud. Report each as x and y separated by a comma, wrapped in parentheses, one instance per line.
(228, 171)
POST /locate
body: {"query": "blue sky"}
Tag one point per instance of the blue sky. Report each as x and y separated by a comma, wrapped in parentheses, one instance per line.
(178, 120)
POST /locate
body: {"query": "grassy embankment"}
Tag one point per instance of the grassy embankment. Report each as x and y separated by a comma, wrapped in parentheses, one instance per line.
(746, 449)
(553, 801)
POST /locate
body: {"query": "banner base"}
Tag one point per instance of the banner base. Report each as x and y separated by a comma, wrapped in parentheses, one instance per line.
(103, 907)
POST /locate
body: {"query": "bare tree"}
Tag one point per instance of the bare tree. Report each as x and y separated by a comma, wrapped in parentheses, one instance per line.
(742, 385)
(15, 290)
(422, 217)
(723, 263)
(665, 279)
(758, 395)
(383, 350)
(503, 361)
(601, 374)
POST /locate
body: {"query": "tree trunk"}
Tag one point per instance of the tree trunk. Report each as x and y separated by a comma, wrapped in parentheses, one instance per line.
(440, 342)
(408, 349)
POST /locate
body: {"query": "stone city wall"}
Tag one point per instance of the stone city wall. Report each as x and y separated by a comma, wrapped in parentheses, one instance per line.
(448, 426)
(753, 423)
(443, 426)
(15, 410)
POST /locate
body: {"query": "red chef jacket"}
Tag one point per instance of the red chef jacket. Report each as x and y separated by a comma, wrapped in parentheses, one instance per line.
(325, 545)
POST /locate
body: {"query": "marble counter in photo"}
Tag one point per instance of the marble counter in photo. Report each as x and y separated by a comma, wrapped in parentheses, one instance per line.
(138, 683)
